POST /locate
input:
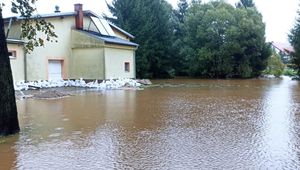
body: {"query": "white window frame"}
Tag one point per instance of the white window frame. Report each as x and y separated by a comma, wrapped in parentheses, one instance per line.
(12, 54)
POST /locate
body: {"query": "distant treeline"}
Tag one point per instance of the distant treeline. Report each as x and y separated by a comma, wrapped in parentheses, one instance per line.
(209, 40)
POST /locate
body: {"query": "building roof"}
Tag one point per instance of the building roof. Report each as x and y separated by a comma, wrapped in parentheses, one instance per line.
(54, 15)
(121, 30)
(283, 47)
(110, 39)
(65, 14)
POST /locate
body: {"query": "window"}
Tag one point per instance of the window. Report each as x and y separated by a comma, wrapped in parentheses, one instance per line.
(127, 67)
(12, 54)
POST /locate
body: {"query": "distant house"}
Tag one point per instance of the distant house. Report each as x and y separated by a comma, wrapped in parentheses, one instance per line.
(284, 50)
(88, 47)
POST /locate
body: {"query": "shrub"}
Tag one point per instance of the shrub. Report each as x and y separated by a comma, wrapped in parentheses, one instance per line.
(275, 66)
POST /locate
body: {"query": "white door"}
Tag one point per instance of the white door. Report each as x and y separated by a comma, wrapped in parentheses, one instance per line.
(54, 70)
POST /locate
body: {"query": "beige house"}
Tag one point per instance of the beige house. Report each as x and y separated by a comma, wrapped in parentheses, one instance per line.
(88, 47)
(17, 58)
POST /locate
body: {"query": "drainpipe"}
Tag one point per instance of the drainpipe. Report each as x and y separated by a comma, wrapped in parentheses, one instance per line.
(134, 62)
(25, 64)
(104, 64)
(9, 26)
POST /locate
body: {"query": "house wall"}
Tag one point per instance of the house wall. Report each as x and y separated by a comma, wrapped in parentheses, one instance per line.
(115, 59)
(62, 50)
(87, 63)
(120, 34)
(80, 55)
(37, 61)
(17, 64)
(81, 39)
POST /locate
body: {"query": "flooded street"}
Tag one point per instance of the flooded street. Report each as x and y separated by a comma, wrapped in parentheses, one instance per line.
(177, 124)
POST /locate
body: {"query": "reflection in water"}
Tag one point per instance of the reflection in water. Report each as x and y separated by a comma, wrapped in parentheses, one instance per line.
(279, 134)
(180, 124)
(8, 153)
(120, 105)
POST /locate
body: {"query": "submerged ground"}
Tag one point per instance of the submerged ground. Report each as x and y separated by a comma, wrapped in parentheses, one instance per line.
(176, 124)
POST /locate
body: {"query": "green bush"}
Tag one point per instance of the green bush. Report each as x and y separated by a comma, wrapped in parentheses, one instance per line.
(289, 72)
(275, 66)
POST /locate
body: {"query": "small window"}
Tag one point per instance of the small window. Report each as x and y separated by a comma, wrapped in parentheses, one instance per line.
(12, 54)
(127, 67)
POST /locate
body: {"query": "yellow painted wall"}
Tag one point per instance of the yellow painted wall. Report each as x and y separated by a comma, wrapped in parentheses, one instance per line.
(37, 61)
(81, 55)
(17, 64)
(62, 50)
(87, 63)
(120, 34)
(81, 39)
(115, 59)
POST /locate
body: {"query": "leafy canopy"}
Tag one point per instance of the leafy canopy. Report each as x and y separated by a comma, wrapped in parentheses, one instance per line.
(222, 41)
(214, 40)
(294, 39)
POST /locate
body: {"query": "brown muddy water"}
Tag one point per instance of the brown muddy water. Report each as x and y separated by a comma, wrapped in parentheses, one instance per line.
(177, 124)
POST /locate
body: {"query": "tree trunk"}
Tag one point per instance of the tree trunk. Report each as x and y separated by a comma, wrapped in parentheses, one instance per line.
(9, 123)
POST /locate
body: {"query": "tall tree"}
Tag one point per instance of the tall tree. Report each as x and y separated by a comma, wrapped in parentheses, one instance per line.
(179, 60)
(149, 21)
(9, 123)
(222, 41)
(294, 39)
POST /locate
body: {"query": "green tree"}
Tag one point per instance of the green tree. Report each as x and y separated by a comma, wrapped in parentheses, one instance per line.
(150, 22)
(222, 41)
(251, 37)
(294, 39)
(182, 9)
(9, 123)
(178, 59)
(275, 66)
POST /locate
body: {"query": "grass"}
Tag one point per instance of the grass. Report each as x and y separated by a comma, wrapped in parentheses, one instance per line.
(2, 141)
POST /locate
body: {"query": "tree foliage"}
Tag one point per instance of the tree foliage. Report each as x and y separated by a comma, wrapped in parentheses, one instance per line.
(178, 35)
(294, 39)
(275, 66)
(245, 4)
(222, 41)
(32, 25)
(182, 9)
(149, 21)
(212, 39)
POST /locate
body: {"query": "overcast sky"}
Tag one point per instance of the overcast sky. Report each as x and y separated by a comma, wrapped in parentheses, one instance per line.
(279, 15)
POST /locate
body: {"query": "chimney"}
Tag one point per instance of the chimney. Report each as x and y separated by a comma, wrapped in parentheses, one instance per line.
(79, 16)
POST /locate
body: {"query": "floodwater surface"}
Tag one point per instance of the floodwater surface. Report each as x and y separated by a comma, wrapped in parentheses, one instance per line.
(177, 124)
